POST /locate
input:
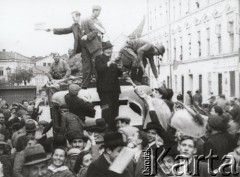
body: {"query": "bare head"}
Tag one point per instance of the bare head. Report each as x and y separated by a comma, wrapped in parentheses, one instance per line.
(76, 16)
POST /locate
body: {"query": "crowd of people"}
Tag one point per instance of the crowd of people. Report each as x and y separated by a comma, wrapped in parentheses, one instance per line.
(88, 147)
(71, 145)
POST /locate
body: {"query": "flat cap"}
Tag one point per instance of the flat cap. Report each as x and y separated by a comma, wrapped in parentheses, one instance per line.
(96, 7)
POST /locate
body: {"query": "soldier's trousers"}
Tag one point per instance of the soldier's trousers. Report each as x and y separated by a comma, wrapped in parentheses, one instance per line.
(88, 62)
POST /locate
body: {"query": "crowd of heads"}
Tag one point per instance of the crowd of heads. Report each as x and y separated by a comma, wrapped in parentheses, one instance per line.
(31, 150)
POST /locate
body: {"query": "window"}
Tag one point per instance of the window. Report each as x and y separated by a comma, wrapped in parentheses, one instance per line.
(155, 17)
(209, 83)
(175, 83)
(208, 41)
(180, 8)
(166, 5)
(219, 83)
(230, 29)
(189, 45)
(181, 49)
(167, 51)
(219, 44)
(44, 64)
(49, 64)
(174, 12)
(219, 37)
(174, 49)
(200, 83)
(231, 42)
(199, 43)
(1, 71)
(197, 4)
(232, 83)
(188, 6)
(168, 82)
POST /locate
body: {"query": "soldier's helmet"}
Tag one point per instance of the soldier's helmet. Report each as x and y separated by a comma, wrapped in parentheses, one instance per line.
(160, 48)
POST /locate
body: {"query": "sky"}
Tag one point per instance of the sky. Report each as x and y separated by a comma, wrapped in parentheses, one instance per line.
(18, 20)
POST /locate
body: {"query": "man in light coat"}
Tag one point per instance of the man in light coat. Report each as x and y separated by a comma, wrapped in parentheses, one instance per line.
(92, 44)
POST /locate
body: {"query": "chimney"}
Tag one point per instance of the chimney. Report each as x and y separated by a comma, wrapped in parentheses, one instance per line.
(4, 50)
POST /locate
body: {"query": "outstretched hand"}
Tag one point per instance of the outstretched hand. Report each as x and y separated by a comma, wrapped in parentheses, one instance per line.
(38, 133)
(129, 80)
(48, 30)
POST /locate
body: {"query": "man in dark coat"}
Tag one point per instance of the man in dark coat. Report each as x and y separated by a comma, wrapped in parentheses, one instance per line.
(113, 145)
(108, 86)
(75, 29)
(219, 140)
(78, 106)
(92, 44)
(197, 98)
(134, 56)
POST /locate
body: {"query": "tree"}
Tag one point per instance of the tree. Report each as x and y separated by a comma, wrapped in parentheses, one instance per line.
(21, 75)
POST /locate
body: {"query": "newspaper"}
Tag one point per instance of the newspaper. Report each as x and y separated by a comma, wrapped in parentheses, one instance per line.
(122, 160)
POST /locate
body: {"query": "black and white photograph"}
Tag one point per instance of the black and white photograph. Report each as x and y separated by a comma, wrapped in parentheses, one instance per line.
(119, 88)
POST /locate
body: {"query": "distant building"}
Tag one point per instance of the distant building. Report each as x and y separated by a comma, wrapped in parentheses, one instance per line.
(202, 42)
(9, 61)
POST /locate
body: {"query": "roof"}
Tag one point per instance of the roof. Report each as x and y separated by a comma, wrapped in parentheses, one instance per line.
(41, 69)
(35, 59)
(12, 56)
(64, 57)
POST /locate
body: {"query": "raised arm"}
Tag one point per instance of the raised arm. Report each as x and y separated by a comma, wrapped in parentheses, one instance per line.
(141, 51)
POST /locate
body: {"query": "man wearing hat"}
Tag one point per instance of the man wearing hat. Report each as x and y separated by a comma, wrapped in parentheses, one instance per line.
(97, 127)
(234, 111)
(108, 86)
(122, 121)
(95, 130)
(113, 145)
(35, 161)
(92, 44)
(219, 140)
(76, 139)
(72, 156)
(76, 29)
(134, 56)
(30, 128)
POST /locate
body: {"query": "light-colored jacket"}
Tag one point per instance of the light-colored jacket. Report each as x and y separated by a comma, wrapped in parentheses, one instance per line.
(187, 100)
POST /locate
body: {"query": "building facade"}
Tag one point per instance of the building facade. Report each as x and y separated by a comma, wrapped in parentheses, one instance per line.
(201, 38)
(10, 61)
